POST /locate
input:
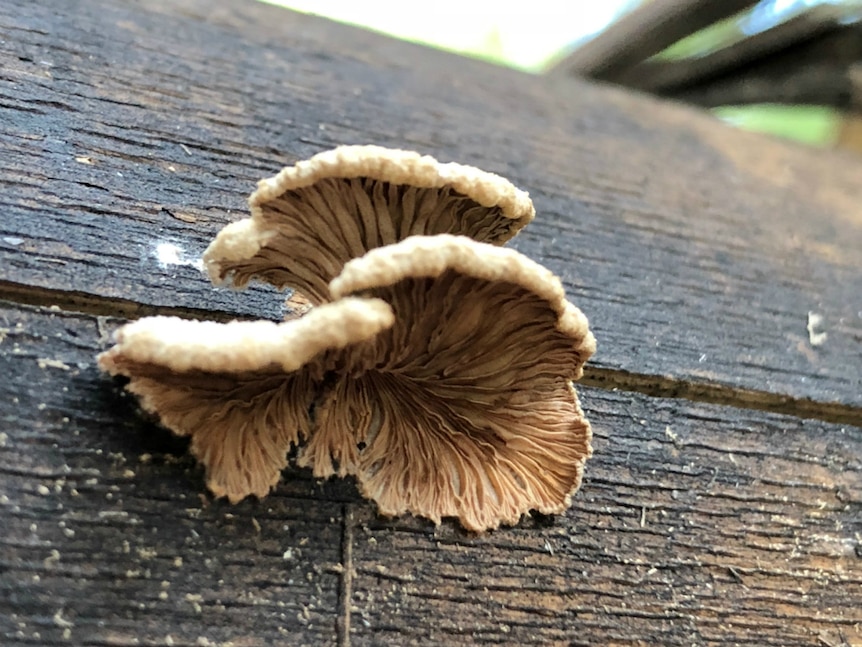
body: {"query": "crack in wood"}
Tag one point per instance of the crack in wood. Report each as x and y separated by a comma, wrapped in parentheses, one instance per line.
(658, 386)
(345, 593)
(99, 306)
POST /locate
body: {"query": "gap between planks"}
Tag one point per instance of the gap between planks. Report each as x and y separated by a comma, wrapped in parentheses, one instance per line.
(658, 386)
(113, 307)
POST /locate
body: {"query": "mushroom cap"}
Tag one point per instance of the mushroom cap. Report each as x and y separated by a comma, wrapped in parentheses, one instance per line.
(241, 390)
(431, 256)
(398, 166)
(464, 407)
(313, 217)
(182, 345)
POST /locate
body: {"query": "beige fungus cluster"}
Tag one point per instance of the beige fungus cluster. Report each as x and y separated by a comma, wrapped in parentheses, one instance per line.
(432, 365)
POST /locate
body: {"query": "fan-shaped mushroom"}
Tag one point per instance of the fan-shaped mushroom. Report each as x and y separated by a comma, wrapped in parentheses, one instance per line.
(312, 218)
(464, 407)
(241, 390)
(437, 368)
(440, 376)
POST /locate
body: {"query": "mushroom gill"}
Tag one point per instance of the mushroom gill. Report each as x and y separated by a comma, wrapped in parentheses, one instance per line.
(440, 376)
(464, 407)
(241, 390)
(312, 218)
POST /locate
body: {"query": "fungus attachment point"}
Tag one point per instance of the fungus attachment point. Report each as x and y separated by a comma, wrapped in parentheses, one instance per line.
(312, 218)
(464, 407)
(240, 390)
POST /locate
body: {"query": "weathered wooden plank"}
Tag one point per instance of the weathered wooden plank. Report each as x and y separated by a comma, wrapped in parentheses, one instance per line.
(108, 538)
(697, 251)
(665, 75)
(820, 71)
(643, 32)
(695, 525)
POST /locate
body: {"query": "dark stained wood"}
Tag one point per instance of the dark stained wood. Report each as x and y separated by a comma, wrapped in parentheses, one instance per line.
(819, 71)
(815, 85)
(696, 524)
(810, 58)
(697, 251)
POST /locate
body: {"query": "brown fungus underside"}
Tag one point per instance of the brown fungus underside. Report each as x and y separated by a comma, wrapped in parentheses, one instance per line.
(240, 390)
(312, 218)
(454, 400)
(464, 407)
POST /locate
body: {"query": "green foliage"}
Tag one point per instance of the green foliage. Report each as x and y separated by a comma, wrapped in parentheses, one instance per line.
(814, 125)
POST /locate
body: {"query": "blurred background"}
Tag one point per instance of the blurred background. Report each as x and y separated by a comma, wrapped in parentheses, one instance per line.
(792, 68)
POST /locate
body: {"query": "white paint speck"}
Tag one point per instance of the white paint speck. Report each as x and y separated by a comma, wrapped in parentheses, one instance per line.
(168, 254)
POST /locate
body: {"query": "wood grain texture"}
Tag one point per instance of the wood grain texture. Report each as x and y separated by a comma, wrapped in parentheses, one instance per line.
(697, 251)
(696, 524)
